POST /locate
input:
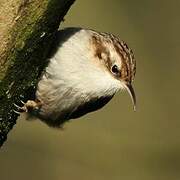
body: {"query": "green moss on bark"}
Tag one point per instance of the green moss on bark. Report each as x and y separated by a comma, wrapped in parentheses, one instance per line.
(28, 49)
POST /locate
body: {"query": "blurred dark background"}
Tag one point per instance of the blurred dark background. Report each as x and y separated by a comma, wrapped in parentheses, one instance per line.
(115, 142)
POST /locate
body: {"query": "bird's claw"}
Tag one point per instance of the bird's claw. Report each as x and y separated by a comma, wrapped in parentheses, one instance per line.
(22, 102)
(19, 108)
(16, 112)
(30, 105)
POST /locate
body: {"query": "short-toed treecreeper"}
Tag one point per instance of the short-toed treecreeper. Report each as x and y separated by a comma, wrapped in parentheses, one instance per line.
(85, 71)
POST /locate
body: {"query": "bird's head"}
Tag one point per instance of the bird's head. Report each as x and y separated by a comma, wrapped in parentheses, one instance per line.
(117, 59)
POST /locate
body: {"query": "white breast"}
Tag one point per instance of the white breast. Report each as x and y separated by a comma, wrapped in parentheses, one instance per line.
(72, 78)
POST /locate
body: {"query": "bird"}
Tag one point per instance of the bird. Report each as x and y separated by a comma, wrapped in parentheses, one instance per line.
(85, 70)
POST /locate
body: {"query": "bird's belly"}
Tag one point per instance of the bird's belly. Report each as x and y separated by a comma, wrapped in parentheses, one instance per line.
(63, 103)
(58, 105)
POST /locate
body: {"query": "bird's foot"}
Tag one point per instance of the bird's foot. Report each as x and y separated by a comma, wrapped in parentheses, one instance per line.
(30, 105)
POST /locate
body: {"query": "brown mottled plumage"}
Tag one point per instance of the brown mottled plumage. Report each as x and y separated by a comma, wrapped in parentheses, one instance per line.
(128, 61)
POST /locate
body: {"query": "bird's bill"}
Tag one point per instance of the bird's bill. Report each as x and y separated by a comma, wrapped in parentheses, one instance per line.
(132, 94)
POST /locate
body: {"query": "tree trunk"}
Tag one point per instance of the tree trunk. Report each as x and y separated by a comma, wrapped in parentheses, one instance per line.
(27, 31)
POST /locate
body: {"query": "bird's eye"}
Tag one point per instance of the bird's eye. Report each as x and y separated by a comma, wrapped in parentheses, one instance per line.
(115, 69)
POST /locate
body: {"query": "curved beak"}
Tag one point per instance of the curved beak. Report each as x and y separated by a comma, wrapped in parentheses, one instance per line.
(132, 94)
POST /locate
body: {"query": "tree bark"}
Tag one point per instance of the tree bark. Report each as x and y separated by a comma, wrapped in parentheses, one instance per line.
(27, 31)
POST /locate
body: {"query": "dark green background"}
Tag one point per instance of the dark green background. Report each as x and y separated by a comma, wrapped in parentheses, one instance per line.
(115, 142)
